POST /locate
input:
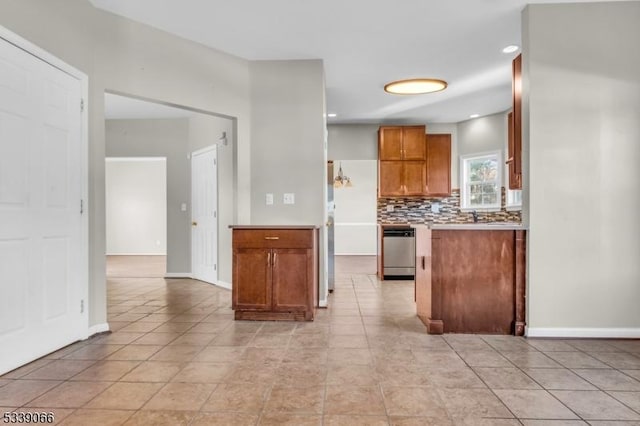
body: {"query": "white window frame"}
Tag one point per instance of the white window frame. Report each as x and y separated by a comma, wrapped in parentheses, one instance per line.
(464, 190)
(511, 203)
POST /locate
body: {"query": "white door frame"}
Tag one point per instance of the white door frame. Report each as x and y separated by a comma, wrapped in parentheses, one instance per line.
(84, 330)
(194, 153)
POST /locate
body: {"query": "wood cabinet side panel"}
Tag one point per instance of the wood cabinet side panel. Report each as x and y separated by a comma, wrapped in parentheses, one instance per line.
(423, 293)
(438, 168)
(517, 119)
(520, 281)
(476, 277)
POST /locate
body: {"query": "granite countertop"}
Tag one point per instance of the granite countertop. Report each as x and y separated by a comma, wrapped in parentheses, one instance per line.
(274, 227)
(487, 226)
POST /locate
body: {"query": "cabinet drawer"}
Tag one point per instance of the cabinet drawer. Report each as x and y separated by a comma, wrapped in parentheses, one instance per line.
(273, 238)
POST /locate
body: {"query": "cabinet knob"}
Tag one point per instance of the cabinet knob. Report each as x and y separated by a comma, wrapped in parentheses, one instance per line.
(194, 223)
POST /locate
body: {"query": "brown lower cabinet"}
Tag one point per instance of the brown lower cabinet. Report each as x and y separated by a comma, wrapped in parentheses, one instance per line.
(275, 272)
(471, 281)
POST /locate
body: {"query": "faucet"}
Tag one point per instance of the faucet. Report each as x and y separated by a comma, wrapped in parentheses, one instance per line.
(475, 216)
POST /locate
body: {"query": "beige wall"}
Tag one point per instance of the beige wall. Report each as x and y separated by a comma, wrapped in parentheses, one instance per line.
(288, 152)
(131, 58)
(581, 79)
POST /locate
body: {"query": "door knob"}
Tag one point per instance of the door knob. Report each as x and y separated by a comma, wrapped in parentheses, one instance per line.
(194, 223)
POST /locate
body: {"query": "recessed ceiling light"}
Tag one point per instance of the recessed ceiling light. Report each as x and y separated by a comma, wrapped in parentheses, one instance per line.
(474, 116)
(332, 115)
(510, 49)
(415, 86)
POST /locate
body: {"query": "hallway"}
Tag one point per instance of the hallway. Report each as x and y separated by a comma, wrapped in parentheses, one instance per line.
(176, 357)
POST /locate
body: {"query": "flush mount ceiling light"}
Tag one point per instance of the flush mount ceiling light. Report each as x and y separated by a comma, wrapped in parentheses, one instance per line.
(332, 115)
(415, 86)
(510, 49)
(474, 116)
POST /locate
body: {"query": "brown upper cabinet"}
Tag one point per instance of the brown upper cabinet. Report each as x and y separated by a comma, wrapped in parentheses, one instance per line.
(402, 165)
(412, 163)
(401, 143)
(438, 165)
(515, 127)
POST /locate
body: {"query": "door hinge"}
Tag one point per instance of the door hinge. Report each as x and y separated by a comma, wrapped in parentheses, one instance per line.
(81, 105)
(215, 162)
(215, 214)
(82, 306)
(81, 206)
(215, 267)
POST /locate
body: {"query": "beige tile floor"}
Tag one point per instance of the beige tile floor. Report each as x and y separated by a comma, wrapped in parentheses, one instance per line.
(176, 357)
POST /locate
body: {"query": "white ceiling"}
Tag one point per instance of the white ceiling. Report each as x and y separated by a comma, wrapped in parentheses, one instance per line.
(364, 44)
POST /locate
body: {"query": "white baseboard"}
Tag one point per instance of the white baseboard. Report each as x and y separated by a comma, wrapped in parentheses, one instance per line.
(136, 254)
(223, 284)
(602, 333)
(98, 328)
(178, 275)
(356, 254)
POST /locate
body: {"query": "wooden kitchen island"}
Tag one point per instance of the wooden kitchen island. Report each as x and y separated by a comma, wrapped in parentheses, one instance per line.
(470, 278)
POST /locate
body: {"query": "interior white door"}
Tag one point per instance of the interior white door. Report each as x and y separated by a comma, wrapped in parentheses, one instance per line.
(41, 231)
(204, 215)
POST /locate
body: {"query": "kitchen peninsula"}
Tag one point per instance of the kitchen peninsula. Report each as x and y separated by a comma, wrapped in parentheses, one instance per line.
(470, 278)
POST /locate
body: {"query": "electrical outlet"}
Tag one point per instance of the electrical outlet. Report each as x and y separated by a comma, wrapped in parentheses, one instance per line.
(390, 207)
(435, 207)
(269, 199)
(289, 198)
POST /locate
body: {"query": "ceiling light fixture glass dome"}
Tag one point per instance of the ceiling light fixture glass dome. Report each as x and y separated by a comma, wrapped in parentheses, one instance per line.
(415, 86)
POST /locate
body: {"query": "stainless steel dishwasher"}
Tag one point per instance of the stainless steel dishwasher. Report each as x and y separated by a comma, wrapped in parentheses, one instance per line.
(399, 253)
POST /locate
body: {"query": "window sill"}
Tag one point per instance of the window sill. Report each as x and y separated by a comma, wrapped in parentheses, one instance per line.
(514, 208)
(480, 209)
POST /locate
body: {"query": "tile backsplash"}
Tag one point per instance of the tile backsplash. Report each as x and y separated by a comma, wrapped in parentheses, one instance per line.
(419, 210)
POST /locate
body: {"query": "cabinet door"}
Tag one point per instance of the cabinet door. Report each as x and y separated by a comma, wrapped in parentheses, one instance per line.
(390, 143)
(291, 283)
(414, 177)
(439, 164)
(514, 178)
(390, 178)
(252, 279)
(413, 143)
(515, 146)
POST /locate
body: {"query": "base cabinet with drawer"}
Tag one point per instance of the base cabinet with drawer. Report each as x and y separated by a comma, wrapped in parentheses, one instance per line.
(275, 273)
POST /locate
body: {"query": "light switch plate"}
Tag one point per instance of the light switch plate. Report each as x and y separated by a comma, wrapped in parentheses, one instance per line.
(269, 198)
(183, 207)
(289, 198)
(435, 207)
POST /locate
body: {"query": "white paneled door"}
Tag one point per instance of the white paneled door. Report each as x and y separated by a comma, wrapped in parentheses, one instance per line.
(42, 280)
(204, 215)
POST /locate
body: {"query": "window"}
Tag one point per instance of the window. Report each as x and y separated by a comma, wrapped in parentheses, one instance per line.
(514, 199)
(481, 178)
